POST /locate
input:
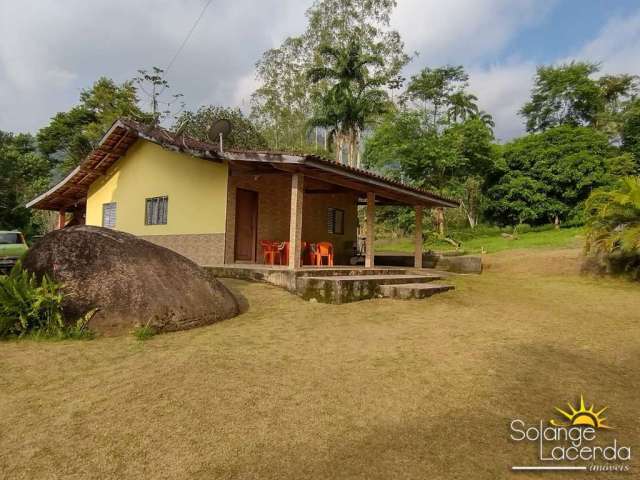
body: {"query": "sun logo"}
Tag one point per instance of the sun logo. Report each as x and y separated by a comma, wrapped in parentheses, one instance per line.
(582, 416)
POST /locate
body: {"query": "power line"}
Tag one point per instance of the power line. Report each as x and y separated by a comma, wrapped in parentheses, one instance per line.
(186, 39)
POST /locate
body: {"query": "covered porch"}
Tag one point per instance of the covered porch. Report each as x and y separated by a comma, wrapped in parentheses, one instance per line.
(302, 201)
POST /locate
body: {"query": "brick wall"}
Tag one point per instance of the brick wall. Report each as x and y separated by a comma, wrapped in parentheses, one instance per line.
(204, 249)
(315, 227)
(274, 200)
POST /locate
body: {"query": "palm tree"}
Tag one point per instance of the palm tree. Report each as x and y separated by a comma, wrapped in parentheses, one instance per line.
(613, 225)
(485, 118)
(462, 106)
(354, 96)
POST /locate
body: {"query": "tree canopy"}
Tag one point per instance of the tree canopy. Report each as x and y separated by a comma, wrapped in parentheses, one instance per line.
(71, 135)
(631, 132)
(353, 98)
(569, 95)
(25, 173)
(551, 173)
(286, 98)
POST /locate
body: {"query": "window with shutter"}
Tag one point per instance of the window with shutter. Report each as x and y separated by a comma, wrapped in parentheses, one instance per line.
(109, 215)
(156, 210)
(335, 221)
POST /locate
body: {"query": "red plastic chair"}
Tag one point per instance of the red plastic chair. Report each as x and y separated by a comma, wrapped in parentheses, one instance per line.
(308, 253)
(282, 251)
(324, 250)
(269, 251)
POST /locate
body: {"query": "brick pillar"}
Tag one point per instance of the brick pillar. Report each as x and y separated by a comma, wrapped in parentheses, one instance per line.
(61, 218)
(295, 224)
(371, 217)
(417, 262)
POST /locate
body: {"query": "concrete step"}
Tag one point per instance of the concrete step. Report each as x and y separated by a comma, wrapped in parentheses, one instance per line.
(351, 288)
(406, 291)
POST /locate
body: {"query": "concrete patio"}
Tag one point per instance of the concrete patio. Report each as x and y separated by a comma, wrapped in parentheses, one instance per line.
(341, 284)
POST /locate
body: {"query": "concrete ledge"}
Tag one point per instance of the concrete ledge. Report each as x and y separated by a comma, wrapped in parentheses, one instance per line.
(336, 284)
(450, 263)
(345, 289)
(459, 264)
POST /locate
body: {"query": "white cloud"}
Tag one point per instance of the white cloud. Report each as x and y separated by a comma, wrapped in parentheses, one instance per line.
(463, 31)
(49, 51)
(502, 89)
(470, 33)
(246, 85)
(617, 46)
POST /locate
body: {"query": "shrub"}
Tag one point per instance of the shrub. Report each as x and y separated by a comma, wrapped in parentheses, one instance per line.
(27, 304)
(613, 227)
(32, 306)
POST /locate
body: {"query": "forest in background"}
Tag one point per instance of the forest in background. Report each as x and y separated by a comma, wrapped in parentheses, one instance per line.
(338, 90)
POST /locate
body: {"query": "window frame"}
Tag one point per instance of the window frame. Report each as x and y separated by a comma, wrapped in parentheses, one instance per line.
(159, 214)
(114, 214)
(334, 226)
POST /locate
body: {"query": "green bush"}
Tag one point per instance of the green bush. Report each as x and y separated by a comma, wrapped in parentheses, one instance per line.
(613, 227)
(32, 306)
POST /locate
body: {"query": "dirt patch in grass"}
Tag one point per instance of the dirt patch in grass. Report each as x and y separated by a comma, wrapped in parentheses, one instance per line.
(290, 389)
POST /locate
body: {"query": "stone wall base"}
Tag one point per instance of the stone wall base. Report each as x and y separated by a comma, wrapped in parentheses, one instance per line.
(204, 249)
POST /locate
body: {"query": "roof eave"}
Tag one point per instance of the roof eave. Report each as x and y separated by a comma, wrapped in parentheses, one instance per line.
(423, 198)
(52, 190)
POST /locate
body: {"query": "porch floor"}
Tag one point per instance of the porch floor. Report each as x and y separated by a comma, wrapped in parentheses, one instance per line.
(337, 284)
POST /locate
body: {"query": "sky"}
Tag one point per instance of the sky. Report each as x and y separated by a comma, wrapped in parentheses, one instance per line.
(50, 49)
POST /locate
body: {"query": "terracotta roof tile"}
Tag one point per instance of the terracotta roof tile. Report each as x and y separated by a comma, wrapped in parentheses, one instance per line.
(74, 187)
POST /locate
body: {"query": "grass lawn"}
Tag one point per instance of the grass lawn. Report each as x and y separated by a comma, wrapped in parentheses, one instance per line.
(379, 389)
(562, 238)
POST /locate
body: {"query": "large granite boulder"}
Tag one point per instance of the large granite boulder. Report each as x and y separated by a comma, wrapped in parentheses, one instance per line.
(129, 280)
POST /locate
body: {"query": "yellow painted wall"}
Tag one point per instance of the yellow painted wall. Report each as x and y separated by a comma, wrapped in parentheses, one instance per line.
(196, 188)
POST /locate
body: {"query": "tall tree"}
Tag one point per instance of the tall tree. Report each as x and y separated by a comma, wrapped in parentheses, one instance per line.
(284, 102)
(71, 135)
(617, 93)
(563, 95)
(354, 96)
(24, 172)
(631, 131)
(463, 106)
(485, 118)
(403, 147)
(440, 93)
(153, 84)
(569, 95)
(439, 139)
(550, 174)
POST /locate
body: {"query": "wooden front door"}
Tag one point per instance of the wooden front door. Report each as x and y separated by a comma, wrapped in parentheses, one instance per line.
(246, 237)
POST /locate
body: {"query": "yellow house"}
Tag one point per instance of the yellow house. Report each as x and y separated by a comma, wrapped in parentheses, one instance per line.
(219, 207)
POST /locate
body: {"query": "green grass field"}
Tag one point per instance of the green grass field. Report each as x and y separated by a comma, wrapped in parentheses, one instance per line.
(562, 238)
